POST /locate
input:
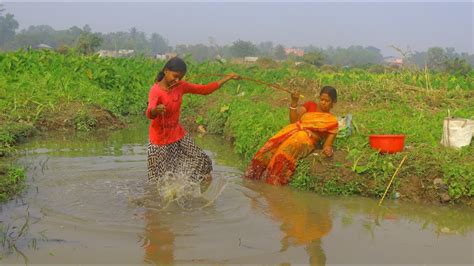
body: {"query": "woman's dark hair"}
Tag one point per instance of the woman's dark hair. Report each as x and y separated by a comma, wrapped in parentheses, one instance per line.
(331, 91)
(174, 64)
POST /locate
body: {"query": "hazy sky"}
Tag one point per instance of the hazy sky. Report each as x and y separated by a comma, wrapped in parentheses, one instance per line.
(419, 25)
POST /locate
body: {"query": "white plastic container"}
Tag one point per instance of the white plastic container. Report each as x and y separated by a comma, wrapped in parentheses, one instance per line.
(457, 132)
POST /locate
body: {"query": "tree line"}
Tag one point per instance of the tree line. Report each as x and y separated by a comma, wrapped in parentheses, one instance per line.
(84, 40)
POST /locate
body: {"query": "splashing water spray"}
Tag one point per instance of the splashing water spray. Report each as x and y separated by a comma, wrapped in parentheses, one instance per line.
(179, 188)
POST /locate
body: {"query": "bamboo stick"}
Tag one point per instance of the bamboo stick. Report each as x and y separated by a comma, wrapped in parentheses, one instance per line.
(390, 183)
(275, 86)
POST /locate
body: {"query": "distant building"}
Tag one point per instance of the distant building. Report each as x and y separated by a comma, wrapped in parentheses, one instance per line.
(166, 56)
(296, 51)
(43, 46)
(250, 59)
(105, 53)
(170, 55)
(393, 61)
(126, 53)
(160, 56)
(118, 53)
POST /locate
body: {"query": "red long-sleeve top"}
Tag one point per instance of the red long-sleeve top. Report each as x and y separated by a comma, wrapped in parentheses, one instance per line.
(310, 106)
(165, 128)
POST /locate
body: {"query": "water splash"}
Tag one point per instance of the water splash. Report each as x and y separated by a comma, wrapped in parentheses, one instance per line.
(187, 193)
(178, 187)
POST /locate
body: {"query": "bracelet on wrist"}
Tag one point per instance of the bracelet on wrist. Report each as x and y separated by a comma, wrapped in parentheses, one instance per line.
(292, 108)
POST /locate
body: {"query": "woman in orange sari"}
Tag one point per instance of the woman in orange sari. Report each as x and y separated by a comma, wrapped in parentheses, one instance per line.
(276, 161)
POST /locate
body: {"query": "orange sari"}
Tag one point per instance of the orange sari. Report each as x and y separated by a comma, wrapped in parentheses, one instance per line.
(276, 161)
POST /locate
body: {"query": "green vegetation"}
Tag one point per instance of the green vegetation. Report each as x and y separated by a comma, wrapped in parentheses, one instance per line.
(11, 181)
(410, 103)
(44, 89)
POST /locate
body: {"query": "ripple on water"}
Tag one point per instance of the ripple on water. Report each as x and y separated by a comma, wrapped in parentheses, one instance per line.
(101, 209)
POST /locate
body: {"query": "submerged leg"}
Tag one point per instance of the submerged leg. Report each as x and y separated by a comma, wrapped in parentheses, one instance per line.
(283, 163)
(196, 163)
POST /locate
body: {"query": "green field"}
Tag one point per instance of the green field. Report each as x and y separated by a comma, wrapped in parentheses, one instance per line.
(44, 90)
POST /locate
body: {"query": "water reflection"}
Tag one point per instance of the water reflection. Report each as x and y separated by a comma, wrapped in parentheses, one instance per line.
(158, 242)
(304, 219)
(80, 190)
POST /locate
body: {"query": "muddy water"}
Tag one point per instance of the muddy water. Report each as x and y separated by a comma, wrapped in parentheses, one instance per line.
(84, 205)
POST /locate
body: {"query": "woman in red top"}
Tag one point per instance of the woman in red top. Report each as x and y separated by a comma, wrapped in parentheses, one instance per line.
(171, 149)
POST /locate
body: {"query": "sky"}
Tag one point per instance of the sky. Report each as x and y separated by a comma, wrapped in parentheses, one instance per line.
(417, 25)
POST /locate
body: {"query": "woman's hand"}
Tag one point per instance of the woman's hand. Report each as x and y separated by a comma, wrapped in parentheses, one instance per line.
(295, 97)
(233, 76)
(160, 109)
(227, 77)
(328, 151)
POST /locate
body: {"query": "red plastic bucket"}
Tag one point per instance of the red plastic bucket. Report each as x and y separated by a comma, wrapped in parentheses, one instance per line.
(387, 143)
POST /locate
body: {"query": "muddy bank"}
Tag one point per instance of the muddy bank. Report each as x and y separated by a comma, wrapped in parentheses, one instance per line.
(337, 176)
(78, 116)
(67, 117)
(352, 171)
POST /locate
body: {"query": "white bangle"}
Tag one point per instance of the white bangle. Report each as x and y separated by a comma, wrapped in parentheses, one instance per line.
(292, 108)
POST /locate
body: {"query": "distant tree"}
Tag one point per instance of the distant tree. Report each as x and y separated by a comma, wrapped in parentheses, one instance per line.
(265, 49)
(33, 36)
(315, 58)
(74, 30)
(141, 42)
(243, 48)
(364, 56)
(66, 37)
(417, 58)
(8, 26)
(457, 66)
(451, 53)
(158, 44)
(133, 33)
(373, 49)
(88, 43)
(116, 41)
(199, 52)
(404, 53)
(280, 52)
(214, 46)
(469, 58)
(225, 51)
(446, 60)
(406, 56)
(436, 58)
(86, 28)
(132, 40)
(354, 55)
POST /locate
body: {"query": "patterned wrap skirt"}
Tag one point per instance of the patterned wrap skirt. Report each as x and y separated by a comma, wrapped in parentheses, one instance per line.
(183, 157)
